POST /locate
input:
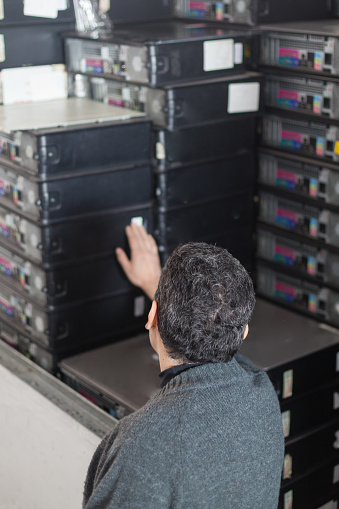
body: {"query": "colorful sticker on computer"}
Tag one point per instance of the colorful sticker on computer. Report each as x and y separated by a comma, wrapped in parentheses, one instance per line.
(115, 102)
(219, 11)
(22, 277)
(286, 179)
(318, 60)
(12, 152)
(15, 195)
(311, 265)
(291, 140)
(317, 104)
(286, 218)
(92, 65)
(284, 255)
(313, 187)
(313, 228)
(6, 308)
(197, 9)
(4, 230)
(289, 57)
(312, 303)
(288, 99)
(284, 292)
(320, 145)
(6, 266)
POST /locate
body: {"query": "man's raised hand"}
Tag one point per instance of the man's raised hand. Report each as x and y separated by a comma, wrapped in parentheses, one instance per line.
(143, 268)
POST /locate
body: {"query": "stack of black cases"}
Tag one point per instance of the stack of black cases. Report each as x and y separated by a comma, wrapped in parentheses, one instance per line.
(253, 12)
(32, 40)
(71, 179)
(298, 227)
(301, 358)
(192, 81)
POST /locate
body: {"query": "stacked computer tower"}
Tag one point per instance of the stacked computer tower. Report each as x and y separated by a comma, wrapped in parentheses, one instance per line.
(204, 175)
(300, 356)
(298, 227)
(68, 188)
(298, 170)
(253, 12)
(194, 84)
(30, 34)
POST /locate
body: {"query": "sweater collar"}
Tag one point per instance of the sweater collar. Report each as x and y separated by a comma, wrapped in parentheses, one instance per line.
(203, 374)
(167, 374)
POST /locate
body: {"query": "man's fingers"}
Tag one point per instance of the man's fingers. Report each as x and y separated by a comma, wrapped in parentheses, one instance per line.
(132, 236)
(138, 238)
(152, 244)
(123, 260)
(140, 234)
(143, 269)
(145, 239)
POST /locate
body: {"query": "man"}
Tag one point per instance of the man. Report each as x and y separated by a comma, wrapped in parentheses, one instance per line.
(211, 438)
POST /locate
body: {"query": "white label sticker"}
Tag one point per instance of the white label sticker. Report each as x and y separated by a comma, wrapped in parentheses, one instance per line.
(160, 151)
(33, 349)
(104, 5)
(105, 52)
(29, 310)
(137, 220)
(288, 500)
(41, 8)
(9, 220)
(137, 63)
(33, 240)
(336, 474)
(1, 9)
(2, 48)
(61, 5)
(238, 53)
(123, 52)
(139, 306)
(287, 391)
(20, 183)
(38, 283)
(28, 268)
(23, 226)
(218, 55)
(83, 65)
(126, 94)
(143, 94)
(286, 422)
(34, 83)
(336, 442)
(287, 471)
(31, 197)
(243, 97)
(39, 324)
(335, 401)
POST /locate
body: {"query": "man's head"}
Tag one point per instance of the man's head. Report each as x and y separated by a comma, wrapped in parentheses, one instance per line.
(205, 299)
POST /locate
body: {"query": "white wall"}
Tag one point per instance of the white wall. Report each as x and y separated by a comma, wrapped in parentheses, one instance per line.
(44, 453)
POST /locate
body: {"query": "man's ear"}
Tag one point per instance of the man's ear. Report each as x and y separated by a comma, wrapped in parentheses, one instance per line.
(246, 331)
(152, 316)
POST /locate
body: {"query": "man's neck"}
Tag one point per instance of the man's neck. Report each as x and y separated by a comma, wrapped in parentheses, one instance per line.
(167, 362)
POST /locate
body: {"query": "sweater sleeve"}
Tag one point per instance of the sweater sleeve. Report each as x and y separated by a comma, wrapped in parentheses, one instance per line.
(133, 468)
(96, 465)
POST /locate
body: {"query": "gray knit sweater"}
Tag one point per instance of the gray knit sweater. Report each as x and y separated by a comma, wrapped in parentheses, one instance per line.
(210, 439)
